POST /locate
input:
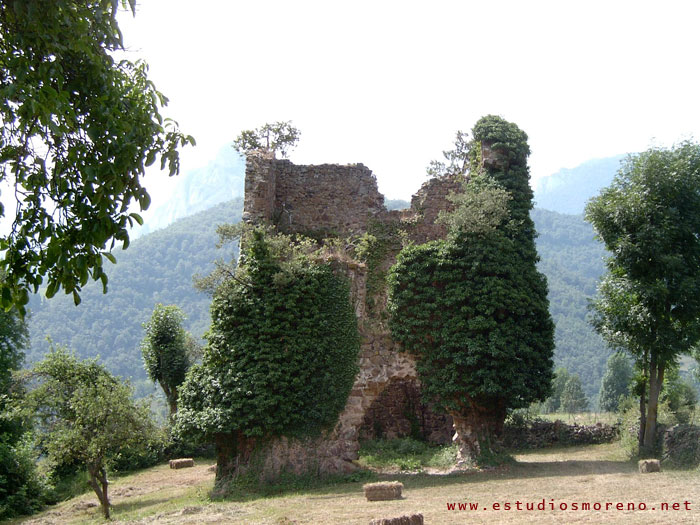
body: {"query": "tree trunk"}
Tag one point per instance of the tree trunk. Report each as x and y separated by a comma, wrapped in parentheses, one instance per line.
(642, 415)
(171, 396)
(99, 484)
(233, 453)
(477, 430)
(656, 379)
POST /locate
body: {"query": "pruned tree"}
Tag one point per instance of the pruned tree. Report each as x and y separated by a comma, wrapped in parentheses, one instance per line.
(78, 131)
(166, 350)
(278, 137)
(84, 415)
(281, 356)
(649, 302)
(473, 308)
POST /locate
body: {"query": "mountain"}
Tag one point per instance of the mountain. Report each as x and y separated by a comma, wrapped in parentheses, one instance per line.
(572, 260)
(222, 179)
(158, 267)
(568, 190)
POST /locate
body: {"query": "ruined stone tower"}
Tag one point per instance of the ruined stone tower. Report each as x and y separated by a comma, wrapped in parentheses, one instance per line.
(343, 201)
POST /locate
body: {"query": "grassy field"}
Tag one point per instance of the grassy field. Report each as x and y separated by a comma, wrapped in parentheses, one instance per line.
(591, 474)
(584, 418)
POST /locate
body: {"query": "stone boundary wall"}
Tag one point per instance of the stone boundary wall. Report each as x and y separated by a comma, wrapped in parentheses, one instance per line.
(343, 201)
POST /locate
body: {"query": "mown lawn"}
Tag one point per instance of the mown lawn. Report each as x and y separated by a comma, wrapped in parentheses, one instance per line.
(591, 474)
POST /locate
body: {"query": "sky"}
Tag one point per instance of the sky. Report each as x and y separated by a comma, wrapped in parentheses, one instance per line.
(388, 83)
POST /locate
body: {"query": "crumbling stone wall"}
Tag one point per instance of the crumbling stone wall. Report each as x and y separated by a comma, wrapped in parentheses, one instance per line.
(344, 202)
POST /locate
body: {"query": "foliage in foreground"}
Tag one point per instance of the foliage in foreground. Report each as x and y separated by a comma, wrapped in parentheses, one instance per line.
(84, 416)
(281, 355)
(21, 489)
(78, 131)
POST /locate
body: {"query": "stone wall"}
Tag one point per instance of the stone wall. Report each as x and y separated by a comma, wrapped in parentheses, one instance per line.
(344, 201)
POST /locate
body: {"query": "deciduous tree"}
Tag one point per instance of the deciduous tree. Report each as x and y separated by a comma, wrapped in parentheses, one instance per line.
(78, 130)
(278, 137)
(85, 415)
(165, 350)
(649, 302)
(616, 382)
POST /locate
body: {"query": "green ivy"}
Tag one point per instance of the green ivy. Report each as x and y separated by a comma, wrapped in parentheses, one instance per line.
(282, 349)
(374, 248)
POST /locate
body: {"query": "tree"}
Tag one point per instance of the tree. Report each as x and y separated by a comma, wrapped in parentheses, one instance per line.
(165, 350)
(472, 308)
(649, 302)
(281, 356)
(84, 415)
(78, 131)
(272, 138)
(573, 399)
(20, 489)
(616, 382)
(553, 402)
(680, 395)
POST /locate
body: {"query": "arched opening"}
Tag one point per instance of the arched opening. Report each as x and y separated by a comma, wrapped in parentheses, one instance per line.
(398, 411)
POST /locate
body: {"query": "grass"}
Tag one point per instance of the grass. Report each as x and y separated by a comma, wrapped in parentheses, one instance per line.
(594, 473)
(406, 454)
(583, 418)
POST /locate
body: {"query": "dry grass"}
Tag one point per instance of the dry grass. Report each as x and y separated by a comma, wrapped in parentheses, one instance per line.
(580, 474)
(583, 418)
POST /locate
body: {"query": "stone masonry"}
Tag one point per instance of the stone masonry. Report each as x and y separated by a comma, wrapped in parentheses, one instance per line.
(344, 202)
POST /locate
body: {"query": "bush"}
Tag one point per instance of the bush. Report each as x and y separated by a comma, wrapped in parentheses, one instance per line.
(22, 491)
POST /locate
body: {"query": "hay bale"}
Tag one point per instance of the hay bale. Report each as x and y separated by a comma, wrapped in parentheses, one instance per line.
(383, 491)
(412, 519)
(649, 465)
(181, 463)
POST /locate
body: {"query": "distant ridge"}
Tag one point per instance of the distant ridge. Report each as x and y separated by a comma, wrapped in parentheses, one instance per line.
(568, 190)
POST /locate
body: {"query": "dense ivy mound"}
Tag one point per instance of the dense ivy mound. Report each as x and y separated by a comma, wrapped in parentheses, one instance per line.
(473, 307)
(467, 310)
(281, 355)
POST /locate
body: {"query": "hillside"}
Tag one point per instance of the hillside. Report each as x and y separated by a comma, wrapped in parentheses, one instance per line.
(220, 180)
(156, 268)
(572, 260)
(568, 190)
(159, 268)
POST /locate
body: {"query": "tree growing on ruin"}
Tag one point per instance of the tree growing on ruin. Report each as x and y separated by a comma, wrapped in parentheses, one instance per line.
(648, 304)
(78, 131)
(165, 351)
(278, 137)
(281, 355)
(473, 308)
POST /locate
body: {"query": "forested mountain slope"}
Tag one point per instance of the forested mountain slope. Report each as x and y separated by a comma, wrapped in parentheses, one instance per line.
(568, 190)
(156, 268)
(572, 260)
(159, 268)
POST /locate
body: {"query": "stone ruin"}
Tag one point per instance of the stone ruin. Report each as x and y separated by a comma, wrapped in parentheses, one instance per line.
(343, 201)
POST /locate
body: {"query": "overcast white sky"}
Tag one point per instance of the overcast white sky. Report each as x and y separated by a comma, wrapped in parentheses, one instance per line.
(388, 83)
